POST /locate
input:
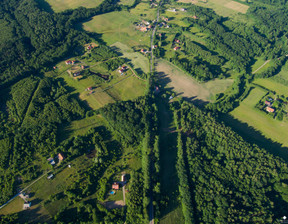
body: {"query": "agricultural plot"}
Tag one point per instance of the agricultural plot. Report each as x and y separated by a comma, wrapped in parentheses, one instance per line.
(127, 2)
(118, 27)
(270, 84)
(173, 77)
(61, 5)
(230, 9)
(271, 128)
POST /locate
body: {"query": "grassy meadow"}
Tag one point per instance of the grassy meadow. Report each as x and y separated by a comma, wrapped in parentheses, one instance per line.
(271, 128)
(61, 5)
(118, 27)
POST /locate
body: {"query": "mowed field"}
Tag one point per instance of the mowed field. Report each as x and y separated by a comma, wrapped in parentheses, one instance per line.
(61, 5)
(186, 86)
(271, 128)
(224, 7)
(118, 27)
(139, 61)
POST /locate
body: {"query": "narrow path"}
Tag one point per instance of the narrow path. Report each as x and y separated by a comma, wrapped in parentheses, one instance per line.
(261, 67)
(123, 189)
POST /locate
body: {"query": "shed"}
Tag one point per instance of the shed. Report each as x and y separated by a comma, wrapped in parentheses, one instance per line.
(50, 176)
(60, 157)
(26, 205)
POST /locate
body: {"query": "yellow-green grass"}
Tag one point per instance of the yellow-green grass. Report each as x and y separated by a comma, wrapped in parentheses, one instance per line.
(127, 2)
(176, 18)
(15, 206)
(175, 216)
(61, 5)
(186, 85)
(145, 10)
(97, 99)
(269, 127)
(261, 65)
(279, 88)
(118, 27)
(138, 60)
(226, 8)
(128, 89)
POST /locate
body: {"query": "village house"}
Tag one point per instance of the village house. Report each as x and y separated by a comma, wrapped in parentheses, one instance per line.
(176, 48)
(90, 88)
(26, 205)
(68, 62)
(270, 109)
(24, 196)
(51, 161)
(177, 41)
(268, 103)
(73, 62)
(82, 67)
(115, 186)
(76, 74)
(60, 157)
(183, 10)
(143, 28)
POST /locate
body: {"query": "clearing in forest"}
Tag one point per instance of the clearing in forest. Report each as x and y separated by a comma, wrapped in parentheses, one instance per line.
(61, 5)
(237, 6)
(186, 86)
(271, 128)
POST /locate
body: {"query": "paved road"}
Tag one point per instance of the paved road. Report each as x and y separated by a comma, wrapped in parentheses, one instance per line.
(151, 208)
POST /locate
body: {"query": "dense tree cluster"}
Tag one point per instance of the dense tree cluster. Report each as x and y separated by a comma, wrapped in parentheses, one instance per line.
(231, 181)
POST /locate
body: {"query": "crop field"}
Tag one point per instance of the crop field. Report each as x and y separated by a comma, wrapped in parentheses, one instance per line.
(183, 84)
(271, 128)
(139, 61)
(61, 5)
(118, 27)
(279, 88)
(144, 11)
(226, 8)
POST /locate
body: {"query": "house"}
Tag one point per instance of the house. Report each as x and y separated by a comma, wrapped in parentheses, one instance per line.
(89, 47)
(165, 19)
(24, 196)
(82, 67)
(76, 74)
(176, 48)
(149, 27)
(51, 161)
(115, 186)
(177, 41)
(143, 29)
(50, 176)
(26, 205)
(90, 88)
(60, 157)
(270, 109)
(73, 62)
(194, 17)
(54, 67)
(68, 62)
(143, 50)
(268, 103)
(183, 10)
(123, 177)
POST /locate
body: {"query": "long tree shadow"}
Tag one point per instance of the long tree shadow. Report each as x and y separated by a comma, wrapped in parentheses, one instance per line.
(253, 136)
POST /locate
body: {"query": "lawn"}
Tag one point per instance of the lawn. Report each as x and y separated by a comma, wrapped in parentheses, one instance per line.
(269, 127)
(127, 2)
(279, 88)
(118, 27)
(139, 61)
(186, 86)
(61, 5)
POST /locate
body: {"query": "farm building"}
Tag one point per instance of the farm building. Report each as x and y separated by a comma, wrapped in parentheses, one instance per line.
(68, 62)
(270, 109)
(115, 186)
(26, 205)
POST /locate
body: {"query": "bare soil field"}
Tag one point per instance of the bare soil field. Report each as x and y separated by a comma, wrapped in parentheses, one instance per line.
(185, 85)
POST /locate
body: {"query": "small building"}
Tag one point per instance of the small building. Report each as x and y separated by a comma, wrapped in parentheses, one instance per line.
(82, 67)
(176, 48)
(68, 62)
(270, 109)
(54, 67)
(24, 196)
(143, 29)
(177, 41)
(123, 177)
(51, 161)
(60, 157)
(115, 186)
(50, 176)
(90, 88)
(73, 62)
(183, 10)
(143, 50)
(268, 103)
(76, 74)
(26, 205)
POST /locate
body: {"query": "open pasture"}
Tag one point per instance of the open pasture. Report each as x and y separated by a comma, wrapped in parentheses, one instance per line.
(269, 127)
(186, 86)
(61, 5)
(126, 2)
(118, 27)
(226, 8)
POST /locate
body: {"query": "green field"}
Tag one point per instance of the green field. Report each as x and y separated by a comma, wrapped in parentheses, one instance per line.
(271, 128)
(126, 2)
(138, 60)
(118, 27)
(61, 5)
(279, 88)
